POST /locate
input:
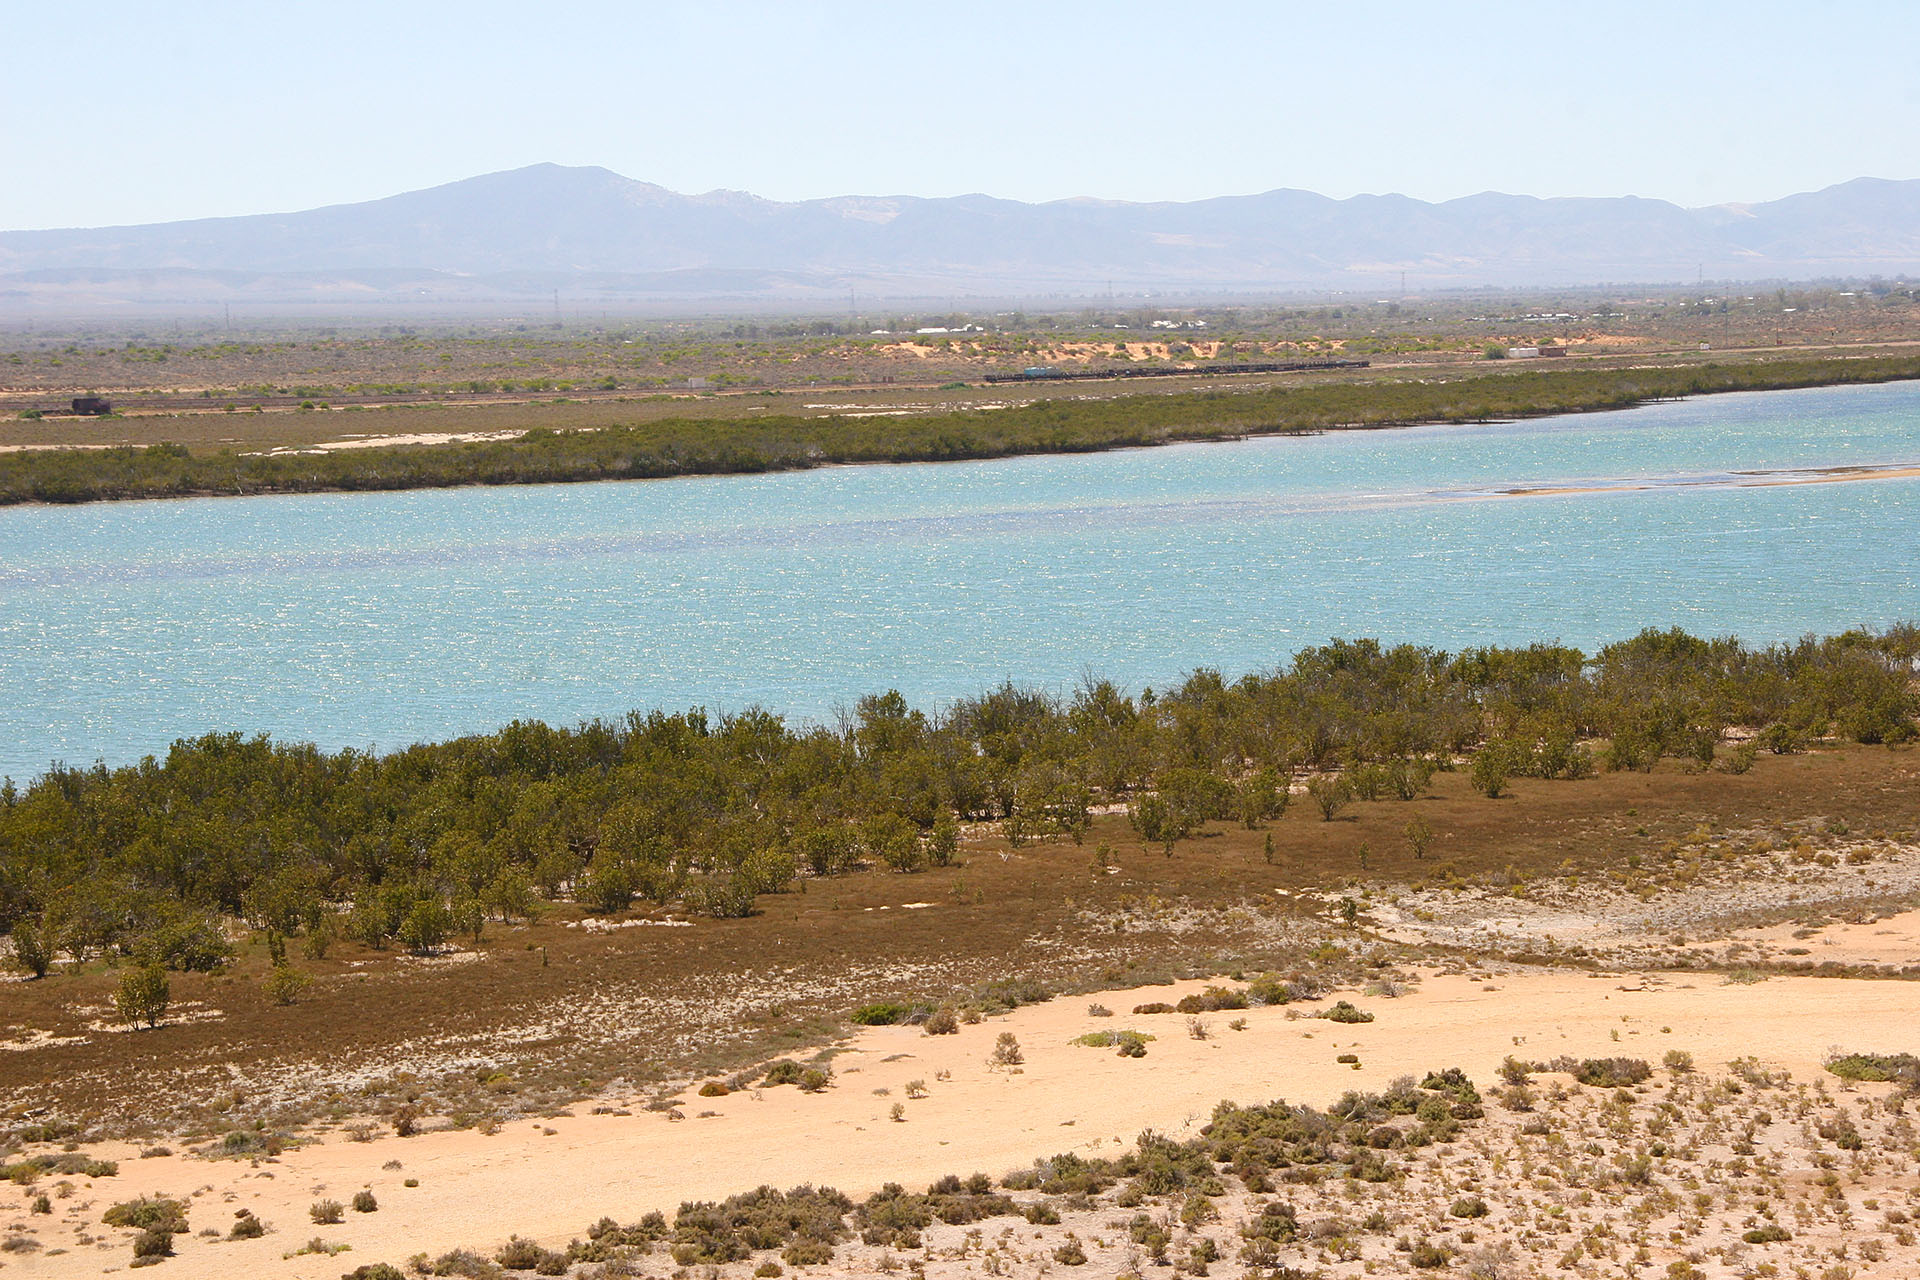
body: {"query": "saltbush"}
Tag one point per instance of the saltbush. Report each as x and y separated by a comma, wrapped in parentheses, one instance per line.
(881, 1015)
(1612, 1073)
(149, 1213)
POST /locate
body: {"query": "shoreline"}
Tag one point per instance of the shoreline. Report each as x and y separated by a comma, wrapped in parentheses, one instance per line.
(679, 449)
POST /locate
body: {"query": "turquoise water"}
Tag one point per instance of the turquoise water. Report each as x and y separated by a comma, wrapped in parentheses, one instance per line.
(384, 619)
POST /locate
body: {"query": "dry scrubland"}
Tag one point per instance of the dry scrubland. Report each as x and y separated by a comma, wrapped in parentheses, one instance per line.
(586, 354)
(342, 386)
(1641, 978)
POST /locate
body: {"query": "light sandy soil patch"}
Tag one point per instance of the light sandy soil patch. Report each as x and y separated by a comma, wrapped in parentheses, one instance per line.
(550, 1179)
(1892, 941)
(416, 437)
(1649, 923)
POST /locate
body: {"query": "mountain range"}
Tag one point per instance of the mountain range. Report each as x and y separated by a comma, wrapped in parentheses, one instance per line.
(595, 234)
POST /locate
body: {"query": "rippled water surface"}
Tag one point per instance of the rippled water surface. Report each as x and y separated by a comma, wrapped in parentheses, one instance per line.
(384, 619)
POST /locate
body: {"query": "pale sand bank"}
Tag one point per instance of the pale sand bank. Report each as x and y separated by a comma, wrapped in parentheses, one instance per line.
(1738, 480)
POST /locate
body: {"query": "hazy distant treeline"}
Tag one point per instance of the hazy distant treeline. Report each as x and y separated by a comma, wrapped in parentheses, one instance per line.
(678, 447)
(709, 811)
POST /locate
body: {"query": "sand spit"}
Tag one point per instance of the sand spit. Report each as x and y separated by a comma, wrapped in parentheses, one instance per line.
(549, 1179)
(1736, 480)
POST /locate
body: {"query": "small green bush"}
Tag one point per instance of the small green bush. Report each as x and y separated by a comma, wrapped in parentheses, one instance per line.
(364, 1202)
(143, 996)
(525, 1255)
(783, 1071)
(327, 1213)
(806, 1222)
(1343, 1011)
(149, 1213)
(1011, 993)
(32, 950)
(1131, 1044)
(1612, 1073)
(464, 1262)
(1772, 1233)
(1876, 1067)
(427, 924)
(1270, 989)
(1211, 1000)
(375, 1271)
(153, 1243)
(183, 939)
(881, 1015)
(1490, 769)
(807, 1253)
(284, 985)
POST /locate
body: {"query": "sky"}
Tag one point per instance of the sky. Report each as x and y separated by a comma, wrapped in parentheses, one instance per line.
(124, 112)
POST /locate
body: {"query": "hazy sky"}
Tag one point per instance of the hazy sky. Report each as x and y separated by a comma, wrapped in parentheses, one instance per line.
(136, 112)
